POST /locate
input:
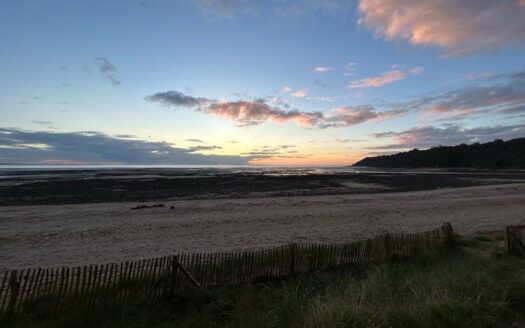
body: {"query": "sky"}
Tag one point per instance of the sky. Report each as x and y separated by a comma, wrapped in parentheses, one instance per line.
(274, 82)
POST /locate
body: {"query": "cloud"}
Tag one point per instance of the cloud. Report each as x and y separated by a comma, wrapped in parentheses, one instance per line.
(257, 111)
(323, 84)
(344, 141)
(286, 89)
(107, 70)
(299, 93)
(279, 101)
(349, 69)
(321, 99)
(459, 27)
(416, 70)
(429, 136)
(352, 115)
(266, 152)
(22, 147)
(378, 81)
(176, 98)
(322, 69)
(42, 122)
(203, 148)
(499, 94)
(247, 113)
(195, 140)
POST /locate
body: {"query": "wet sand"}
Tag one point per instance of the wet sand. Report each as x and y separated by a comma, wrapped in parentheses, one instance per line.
(75, 234)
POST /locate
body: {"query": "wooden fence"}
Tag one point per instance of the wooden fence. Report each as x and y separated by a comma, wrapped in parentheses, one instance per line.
(515, 239)
(58, 288)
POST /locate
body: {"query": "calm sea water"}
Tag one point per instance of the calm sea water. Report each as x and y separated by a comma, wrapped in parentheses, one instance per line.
(277, 170)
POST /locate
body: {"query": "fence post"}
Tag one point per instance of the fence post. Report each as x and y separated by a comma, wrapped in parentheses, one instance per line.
(388, 247)
(514, 242)
(14, 285)
(508, 240)
(188, 275)
(449, 233)
(173, 275)
(293, 251)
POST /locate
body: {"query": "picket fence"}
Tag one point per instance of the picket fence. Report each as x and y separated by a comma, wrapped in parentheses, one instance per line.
(515, 239)
(48, 290)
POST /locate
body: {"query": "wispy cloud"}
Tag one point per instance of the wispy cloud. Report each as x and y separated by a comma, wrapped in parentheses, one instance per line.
(352, 115)
(267, 152)
(378, 81)
(417, 70)
(323, 83)
(105, 69)
(459, 27)
(499, 94)
(430, 136)
(322, 69)
(286, 89)
(349, 69)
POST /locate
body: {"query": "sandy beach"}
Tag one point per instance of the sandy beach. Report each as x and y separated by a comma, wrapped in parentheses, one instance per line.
(67, 235)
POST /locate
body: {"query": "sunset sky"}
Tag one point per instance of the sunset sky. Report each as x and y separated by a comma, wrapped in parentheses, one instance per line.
(305, 82)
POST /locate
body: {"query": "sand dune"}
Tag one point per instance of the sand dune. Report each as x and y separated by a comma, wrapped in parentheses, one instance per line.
(52, 235)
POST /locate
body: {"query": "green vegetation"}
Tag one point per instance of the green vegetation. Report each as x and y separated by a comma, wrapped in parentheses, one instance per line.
(472, 285)
(491, 155)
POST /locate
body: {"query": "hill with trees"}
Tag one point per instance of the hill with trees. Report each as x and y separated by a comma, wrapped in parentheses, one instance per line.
(497, 154)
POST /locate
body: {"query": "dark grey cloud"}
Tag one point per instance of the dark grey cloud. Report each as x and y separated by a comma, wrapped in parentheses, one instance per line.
(195, 140)
(251, 112)
(451, 134)
(105, 69)
(19, 146)
(177, 99)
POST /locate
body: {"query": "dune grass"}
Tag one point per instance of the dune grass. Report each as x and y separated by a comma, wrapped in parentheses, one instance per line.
(472, 285)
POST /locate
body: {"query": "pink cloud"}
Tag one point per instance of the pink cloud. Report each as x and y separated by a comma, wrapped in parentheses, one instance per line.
(378, 81)
(248, 113)
(300, 93)
(254, 112)
(460, 27)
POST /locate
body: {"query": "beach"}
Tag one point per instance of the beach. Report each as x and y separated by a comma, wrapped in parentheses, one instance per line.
(92, 233)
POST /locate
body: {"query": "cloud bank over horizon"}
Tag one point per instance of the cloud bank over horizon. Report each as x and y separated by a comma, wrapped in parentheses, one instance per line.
(92, 147)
